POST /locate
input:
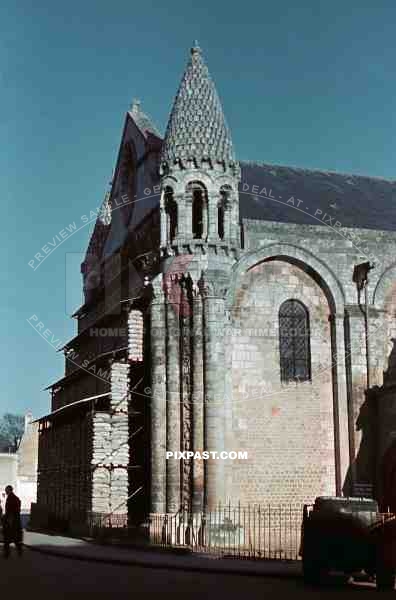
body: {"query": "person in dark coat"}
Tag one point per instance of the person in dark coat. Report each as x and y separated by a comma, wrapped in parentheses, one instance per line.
(12, 526)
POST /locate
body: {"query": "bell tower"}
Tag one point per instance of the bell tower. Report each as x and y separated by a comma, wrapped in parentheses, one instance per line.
(200, 242)
(199, 172)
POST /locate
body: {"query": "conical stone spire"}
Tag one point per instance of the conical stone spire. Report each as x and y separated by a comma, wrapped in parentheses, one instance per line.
(197, 128)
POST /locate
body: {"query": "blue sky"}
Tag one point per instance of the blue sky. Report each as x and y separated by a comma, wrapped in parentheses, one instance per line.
(306, 83)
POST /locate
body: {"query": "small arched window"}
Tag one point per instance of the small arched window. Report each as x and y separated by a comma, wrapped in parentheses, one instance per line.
(294, 342)
(171, 214)
(220, 219)
(199, 210)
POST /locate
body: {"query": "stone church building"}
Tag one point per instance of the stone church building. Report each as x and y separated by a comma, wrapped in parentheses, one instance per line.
(221, 314)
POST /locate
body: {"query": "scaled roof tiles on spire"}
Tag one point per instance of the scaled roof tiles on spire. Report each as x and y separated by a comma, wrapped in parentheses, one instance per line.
(197, 127)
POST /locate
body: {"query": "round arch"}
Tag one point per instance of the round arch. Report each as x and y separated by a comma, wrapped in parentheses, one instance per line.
(382, 286)
(196, 184)
(298, 256)
(333, 291)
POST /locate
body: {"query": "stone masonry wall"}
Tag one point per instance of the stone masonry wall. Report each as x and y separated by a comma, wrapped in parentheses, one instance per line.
(287, 429)
(335, 251)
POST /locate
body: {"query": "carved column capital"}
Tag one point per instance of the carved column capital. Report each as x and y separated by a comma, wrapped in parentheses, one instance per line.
(212, 288)
(158, 289)
(196, 294)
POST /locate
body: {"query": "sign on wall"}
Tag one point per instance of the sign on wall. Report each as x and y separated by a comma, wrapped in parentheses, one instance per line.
(363, 490)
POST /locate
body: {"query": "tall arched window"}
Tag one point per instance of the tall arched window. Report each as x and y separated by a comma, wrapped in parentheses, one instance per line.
(294, 342)
(220, 219)
(171, 214)
(199, 200)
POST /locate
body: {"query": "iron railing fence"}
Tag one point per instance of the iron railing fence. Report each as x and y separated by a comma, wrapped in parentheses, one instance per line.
(113, 525)
(107, 521)
(257, 531)
(242, 531)
(265, 532)
(252, 531)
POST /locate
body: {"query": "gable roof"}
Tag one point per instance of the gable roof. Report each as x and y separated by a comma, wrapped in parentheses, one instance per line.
(353, 200)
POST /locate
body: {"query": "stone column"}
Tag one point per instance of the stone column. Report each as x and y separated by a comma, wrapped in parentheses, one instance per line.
(173, 399)
(227, 219)
(234, 220)
(229, 439)
(197, 402)
(164, 227)
(213, 200)
(364, 436)
(158, 399)
(341, 410)
(185, 345)
(214, 372)
(184, 215)
(164, 237)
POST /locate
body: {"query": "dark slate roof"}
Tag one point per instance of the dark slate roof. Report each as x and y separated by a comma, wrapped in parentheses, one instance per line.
(353, 200)
(197, 127)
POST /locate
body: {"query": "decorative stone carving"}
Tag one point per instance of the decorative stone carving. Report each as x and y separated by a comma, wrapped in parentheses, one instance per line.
(212, 288)
(186, 285)
(157, 287)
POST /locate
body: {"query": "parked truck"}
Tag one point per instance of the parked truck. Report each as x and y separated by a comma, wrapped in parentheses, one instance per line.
(348, 535)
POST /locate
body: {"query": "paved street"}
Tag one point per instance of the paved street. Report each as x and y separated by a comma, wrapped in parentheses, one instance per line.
(53, 577)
